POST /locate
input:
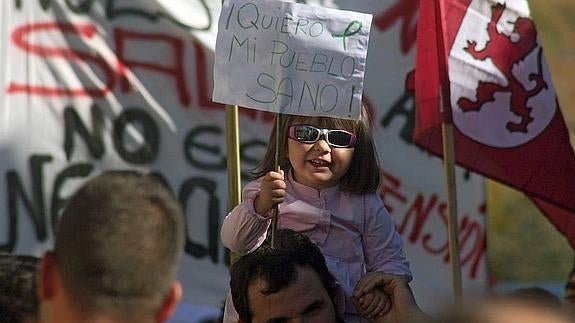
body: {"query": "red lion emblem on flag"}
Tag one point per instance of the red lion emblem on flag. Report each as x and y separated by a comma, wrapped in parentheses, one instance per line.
(515, 52)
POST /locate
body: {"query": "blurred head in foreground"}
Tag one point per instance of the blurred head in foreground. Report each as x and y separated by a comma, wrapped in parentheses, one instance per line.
(118, 245)
(513, 308)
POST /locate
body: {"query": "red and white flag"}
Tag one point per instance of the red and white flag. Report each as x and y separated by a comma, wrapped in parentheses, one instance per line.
(497, 92)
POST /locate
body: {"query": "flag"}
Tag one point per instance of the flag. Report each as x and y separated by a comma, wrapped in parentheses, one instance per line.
(486, 60)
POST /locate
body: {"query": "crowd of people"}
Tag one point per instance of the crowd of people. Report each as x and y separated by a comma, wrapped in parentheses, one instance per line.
(335, 256)
(118, 244)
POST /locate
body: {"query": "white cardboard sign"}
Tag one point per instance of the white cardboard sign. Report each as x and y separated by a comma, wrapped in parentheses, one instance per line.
(291, 58)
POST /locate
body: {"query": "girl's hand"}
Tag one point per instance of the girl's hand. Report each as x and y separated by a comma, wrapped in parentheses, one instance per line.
(368, 283)
(369, 300)
(372, 304)
(272, 192)
(403, 307)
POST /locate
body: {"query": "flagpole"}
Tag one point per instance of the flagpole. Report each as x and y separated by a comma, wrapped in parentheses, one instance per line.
(448, 157)
(233, 159)
(451, 190)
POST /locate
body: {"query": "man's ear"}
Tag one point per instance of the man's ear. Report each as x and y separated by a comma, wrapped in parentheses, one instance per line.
(47, 276)
(170, 302)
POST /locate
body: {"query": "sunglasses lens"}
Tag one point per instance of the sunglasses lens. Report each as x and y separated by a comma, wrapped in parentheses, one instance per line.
(306, 133)
(339, 138)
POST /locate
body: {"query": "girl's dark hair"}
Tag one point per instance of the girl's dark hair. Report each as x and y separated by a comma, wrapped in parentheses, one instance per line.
(362, 177)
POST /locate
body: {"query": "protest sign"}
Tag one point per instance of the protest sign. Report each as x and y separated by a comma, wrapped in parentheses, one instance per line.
(291, 58)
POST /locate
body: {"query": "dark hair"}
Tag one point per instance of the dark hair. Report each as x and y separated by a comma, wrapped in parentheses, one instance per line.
(362, 177)
(18, 275)
(277, 267)
(119, 243)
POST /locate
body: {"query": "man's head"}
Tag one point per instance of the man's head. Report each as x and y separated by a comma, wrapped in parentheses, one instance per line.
(118, 245)
(18, 301)
(290, 280)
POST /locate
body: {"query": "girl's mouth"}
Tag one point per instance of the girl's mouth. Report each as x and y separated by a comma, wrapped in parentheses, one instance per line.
(319, 163)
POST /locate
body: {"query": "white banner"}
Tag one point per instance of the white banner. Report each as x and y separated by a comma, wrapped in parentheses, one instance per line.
(291, 58)
(106, 84)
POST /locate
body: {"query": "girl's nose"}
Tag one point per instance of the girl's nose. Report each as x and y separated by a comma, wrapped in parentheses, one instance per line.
(322, 145)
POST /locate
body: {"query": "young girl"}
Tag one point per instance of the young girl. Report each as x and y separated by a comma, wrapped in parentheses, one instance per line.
(329, 193)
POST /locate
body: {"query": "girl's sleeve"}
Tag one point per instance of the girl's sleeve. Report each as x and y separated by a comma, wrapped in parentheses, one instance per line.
(243, 230)
(382, 244)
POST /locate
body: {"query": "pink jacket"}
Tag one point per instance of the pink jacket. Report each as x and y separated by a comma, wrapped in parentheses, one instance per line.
(355, 232)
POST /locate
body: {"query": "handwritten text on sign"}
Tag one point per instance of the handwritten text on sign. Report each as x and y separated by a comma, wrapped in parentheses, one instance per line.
(291, 58)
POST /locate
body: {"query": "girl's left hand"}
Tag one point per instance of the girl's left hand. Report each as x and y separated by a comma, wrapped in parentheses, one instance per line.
(369, 300)
(372, 304)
